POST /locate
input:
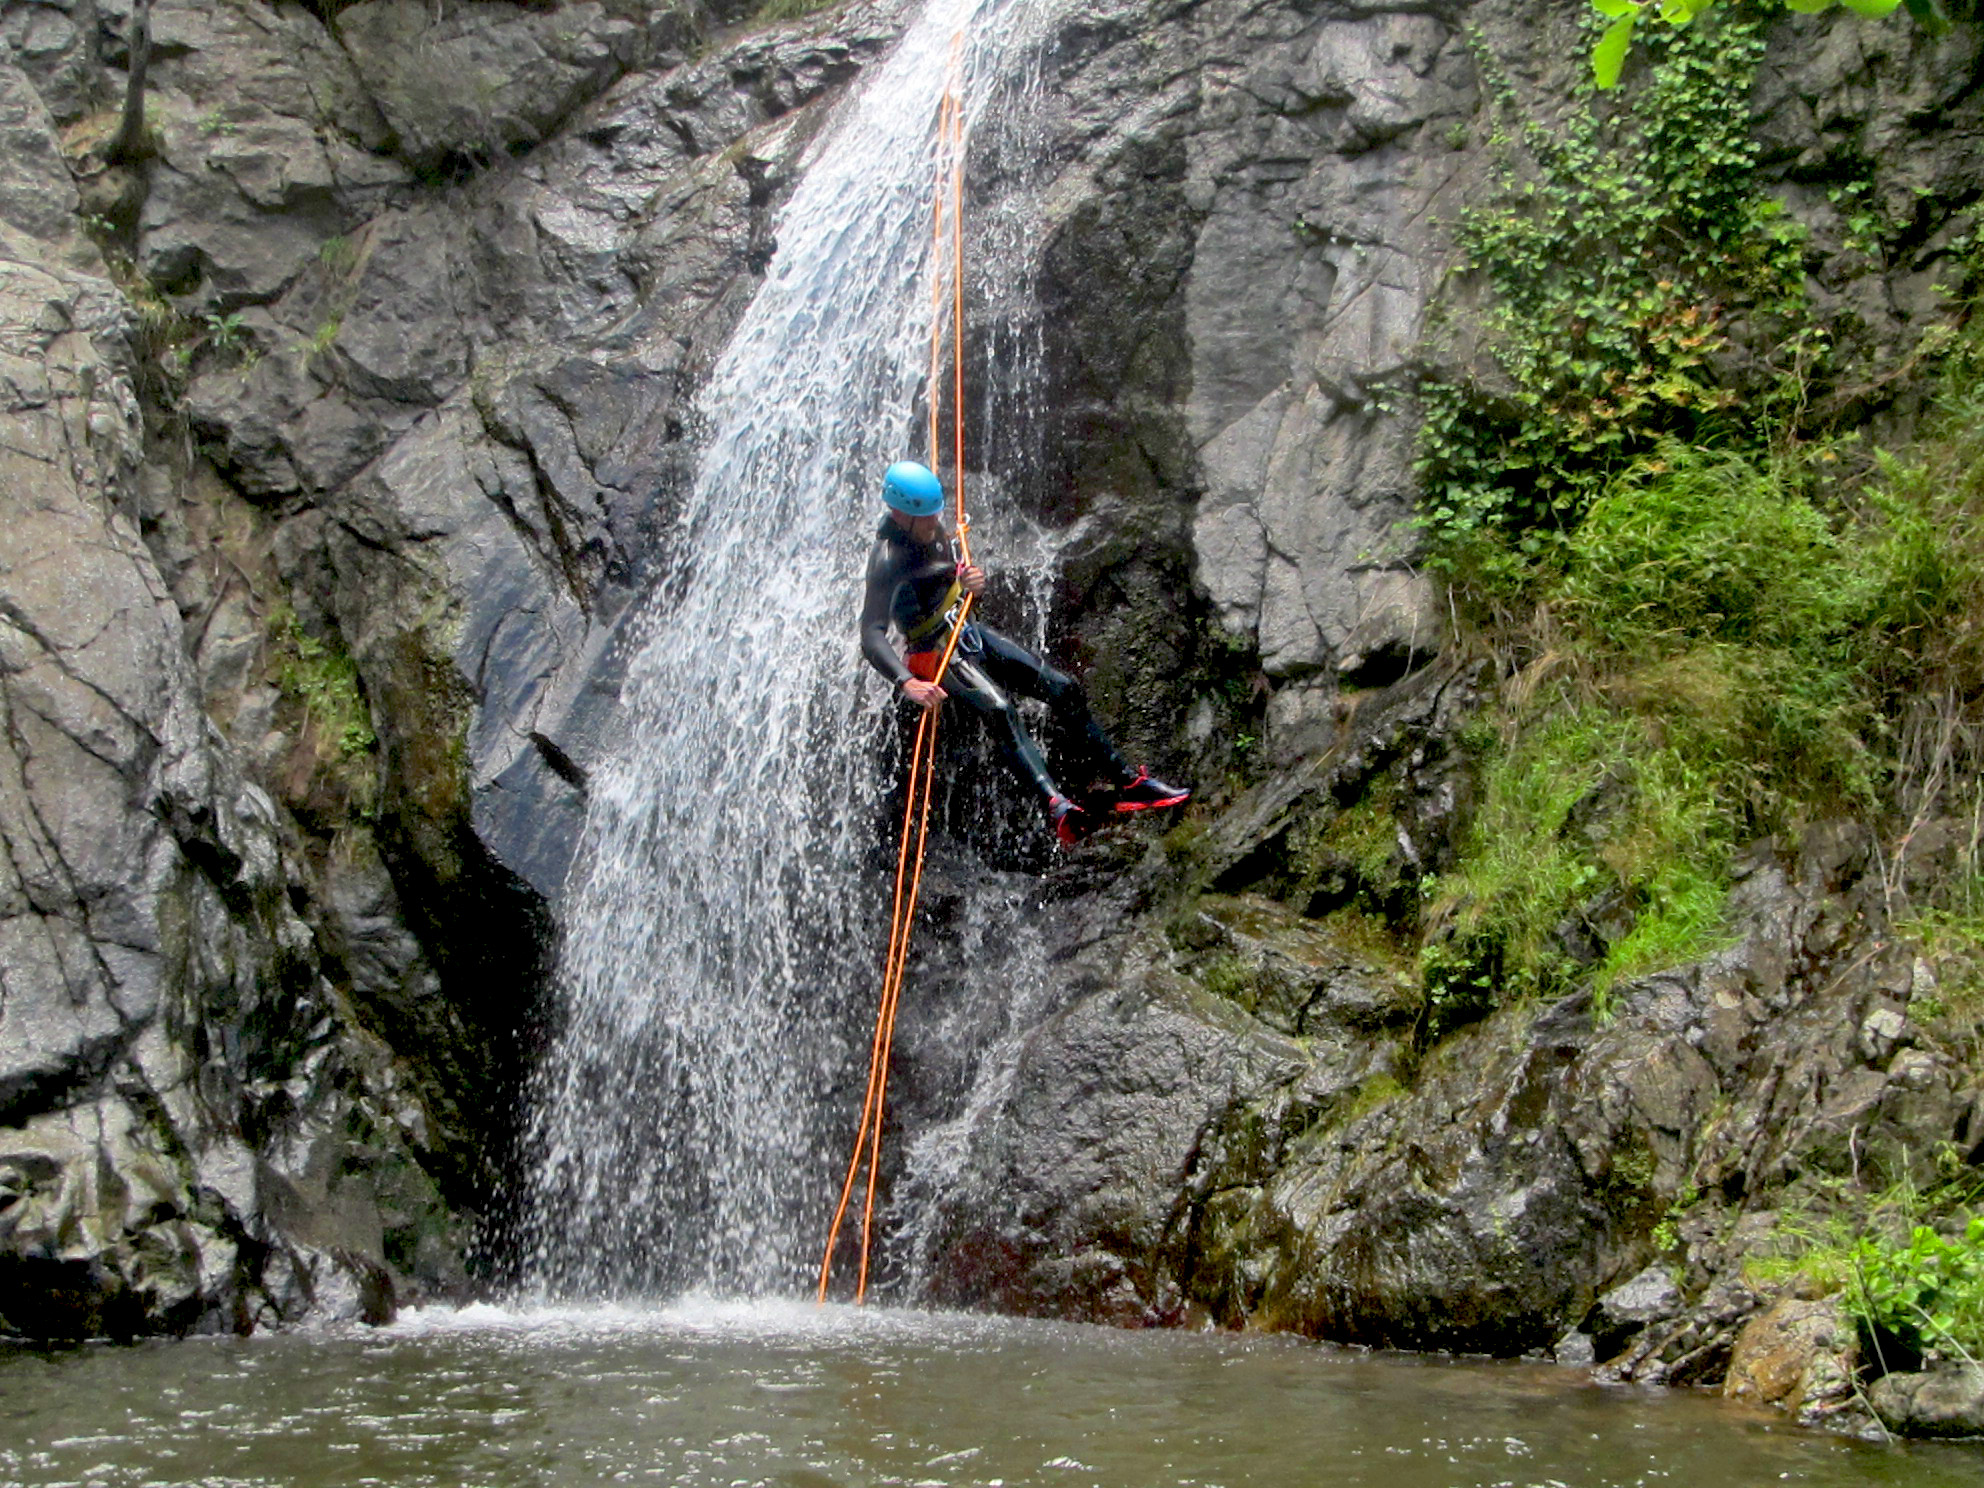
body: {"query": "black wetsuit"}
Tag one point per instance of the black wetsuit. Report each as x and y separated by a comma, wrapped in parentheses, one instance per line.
(910, 586)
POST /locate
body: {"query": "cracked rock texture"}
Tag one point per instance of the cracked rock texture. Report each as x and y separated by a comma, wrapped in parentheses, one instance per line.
(192, 1133)
(340, 447)
(1230, 1114)
(304, 662)
(1229, 1110)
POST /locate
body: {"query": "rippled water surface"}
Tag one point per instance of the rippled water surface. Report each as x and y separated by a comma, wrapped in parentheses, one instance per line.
(712, 1393)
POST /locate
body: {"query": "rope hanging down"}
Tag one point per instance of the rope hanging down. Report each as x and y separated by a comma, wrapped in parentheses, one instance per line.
(923, 756)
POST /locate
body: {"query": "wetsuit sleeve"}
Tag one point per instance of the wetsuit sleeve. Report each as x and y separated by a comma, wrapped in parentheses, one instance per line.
(883, 578)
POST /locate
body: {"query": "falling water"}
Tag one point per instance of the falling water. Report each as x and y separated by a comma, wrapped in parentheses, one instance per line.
(723, 917)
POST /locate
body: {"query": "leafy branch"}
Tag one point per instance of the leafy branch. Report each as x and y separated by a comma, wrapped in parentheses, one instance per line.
(1608, 57)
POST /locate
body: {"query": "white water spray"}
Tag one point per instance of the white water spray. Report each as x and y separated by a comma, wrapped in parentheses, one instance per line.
(722, 924)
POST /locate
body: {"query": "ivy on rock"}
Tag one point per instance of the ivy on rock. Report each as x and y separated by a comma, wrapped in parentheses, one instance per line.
(1608, 56)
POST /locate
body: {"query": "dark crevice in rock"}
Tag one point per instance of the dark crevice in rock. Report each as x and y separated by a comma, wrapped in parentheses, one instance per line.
(29, 1092)
(562, 764)
(67, 1301)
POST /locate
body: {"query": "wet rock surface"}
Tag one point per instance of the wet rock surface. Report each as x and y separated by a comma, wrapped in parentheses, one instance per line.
(172, 1056)
(1938, 1402)
(1541, 1181)
(307, 673)
(1801, 1354)
(306, 665)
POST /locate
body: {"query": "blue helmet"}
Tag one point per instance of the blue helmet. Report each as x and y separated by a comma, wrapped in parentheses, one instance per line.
(912, 489)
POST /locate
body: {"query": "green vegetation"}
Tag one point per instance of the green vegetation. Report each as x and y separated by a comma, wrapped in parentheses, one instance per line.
(1591, 806)
(323, 338)
(1608, 247)
(226, 334)
(338, 254)
(1713, 624)
(1948, 1010)
(774, 11)
(1364, 835)
(1666, 1234)
(324, 680)
(1608, 56)
(1929, 1293)
(1724, 648)
(1907, 1261)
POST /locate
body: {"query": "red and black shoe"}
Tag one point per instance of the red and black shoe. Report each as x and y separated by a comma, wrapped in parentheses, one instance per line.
(1071, 823)
(1147, 793)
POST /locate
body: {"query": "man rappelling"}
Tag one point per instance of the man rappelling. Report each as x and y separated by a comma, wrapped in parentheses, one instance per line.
(916, 583)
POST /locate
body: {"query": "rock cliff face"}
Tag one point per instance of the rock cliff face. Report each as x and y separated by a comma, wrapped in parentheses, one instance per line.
(345, 424)
(1235, 1116)
(306, 657)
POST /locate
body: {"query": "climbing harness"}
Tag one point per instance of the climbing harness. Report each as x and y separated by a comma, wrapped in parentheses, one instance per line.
(954, 612)
(947, 611)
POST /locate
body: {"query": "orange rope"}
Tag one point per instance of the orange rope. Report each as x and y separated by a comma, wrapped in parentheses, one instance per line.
(957, 344)
(923, 756)
(897, 928)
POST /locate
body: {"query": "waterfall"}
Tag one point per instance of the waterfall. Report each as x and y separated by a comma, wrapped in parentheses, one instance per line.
(724, 917)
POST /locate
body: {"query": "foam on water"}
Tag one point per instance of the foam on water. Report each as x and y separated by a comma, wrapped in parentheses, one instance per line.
(762, 1319)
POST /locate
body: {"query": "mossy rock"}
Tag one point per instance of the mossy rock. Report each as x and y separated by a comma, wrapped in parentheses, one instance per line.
(1302, 976)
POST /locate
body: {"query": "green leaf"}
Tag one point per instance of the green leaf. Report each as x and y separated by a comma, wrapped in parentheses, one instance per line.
(1808, 7)
(1874, 8)
(1615, 8)
(1609, 56)
(1928, 15)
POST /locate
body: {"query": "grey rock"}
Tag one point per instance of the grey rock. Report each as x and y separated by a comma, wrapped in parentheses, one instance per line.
(37, 193)
(54, 42)
(1124, 1087)
(1310, 280)
(1649, 1297)
(483, 80)
(1292, 974)
(252, 183)
(1646, 1298)
(1575, 1350)
(145, 883)
(556, 316)
(1939, 1402)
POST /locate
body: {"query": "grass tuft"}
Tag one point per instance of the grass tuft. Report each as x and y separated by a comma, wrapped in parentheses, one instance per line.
(1724, 648)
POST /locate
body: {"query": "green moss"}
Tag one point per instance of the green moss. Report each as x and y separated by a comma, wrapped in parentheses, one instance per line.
(1378, 1090)
(1184, 844)
(323, 680)
(1369, 937)
(1232, 978)
(1363, 835)
(775, 11)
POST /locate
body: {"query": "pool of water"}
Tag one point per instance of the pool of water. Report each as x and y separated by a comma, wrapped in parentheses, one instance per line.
(714, 1393)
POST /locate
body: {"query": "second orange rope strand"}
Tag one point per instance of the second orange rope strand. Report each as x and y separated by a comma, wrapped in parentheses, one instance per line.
(922, 770)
